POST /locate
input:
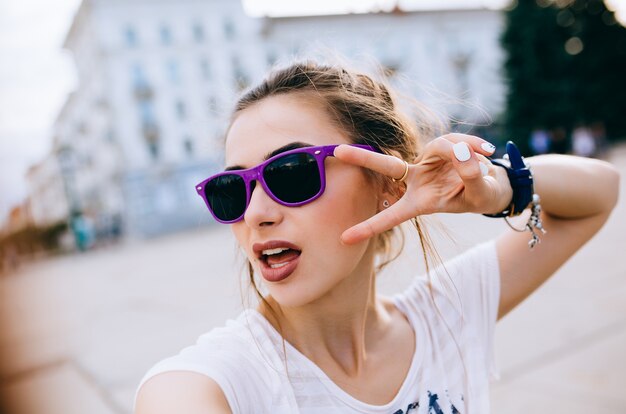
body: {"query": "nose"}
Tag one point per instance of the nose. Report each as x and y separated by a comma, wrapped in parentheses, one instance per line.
(262, 209)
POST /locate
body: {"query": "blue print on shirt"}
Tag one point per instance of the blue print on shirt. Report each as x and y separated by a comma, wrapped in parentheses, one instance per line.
(433, 406)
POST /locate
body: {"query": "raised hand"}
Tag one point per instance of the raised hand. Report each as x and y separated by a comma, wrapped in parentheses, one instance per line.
(451, 175)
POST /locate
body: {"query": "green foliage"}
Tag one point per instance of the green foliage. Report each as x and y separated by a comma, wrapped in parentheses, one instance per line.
(565, 65)
(31, 239)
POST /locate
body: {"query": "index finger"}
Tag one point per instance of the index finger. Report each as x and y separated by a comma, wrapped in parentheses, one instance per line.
(478, 144)
(385, 164)
(396, 214)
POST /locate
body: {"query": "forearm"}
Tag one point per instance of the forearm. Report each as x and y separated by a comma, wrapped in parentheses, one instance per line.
(577, 196)
(573, 187)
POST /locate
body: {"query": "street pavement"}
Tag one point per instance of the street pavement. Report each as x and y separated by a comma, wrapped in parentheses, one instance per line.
(78, 332)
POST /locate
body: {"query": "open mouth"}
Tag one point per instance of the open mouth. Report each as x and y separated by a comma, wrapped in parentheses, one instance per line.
(279, 257)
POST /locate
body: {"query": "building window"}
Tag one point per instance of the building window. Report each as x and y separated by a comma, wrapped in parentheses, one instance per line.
(229, 29)
(146, 111)
(166, 35)
(198, 33)
(205, 69)
(212, 104)
(181, 110)
(130, 36)
(149, 127)
(153, 149)
(188, 145)
(138, 75)
(141, 86)
(173, 71)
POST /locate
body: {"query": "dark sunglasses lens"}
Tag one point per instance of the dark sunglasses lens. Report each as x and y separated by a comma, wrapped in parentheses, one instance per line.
(226, 195)
(293, 178)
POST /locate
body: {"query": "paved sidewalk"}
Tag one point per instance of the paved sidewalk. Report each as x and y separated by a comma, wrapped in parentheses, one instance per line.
(78, 332)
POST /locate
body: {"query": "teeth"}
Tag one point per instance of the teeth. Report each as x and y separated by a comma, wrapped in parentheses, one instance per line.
(277, 265)
(274, 251)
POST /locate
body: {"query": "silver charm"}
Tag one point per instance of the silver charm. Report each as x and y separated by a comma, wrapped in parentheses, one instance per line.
(533, 224)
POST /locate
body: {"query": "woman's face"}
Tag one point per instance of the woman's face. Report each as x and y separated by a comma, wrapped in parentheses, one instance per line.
(349, 198)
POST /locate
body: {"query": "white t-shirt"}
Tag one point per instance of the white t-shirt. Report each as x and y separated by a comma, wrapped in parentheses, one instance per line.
(453, 321)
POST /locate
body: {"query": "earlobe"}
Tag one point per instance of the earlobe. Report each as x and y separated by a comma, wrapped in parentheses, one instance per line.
(393, 192)
(387, 193)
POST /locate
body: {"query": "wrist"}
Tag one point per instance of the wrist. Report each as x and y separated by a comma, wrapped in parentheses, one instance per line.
(519, 193)
(520, 181)
(505, 195)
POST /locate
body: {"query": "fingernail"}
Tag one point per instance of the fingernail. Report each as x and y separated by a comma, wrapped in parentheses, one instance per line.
(461, 151)
(483, 168)
(488, 146)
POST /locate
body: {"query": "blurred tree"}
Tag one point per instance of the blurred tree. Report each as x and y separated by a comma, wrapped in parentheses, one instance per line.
(565, 64)
(600, 67)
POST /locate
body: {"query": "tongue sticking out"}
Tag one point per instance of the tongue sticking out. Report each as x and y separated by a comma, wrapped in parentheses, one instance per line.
(282, 257)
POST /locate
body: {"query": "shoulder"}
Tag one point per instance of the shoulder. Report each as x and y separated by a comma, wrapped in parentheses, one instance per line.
(474, 269)
(463, 290)
(217, 352)
(177, 391)
(228, 363)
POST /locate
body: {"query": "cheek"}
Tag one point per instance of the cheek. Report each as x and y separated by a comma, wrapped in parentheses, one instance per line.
(349, 198)
(242, 236)
(237, 231)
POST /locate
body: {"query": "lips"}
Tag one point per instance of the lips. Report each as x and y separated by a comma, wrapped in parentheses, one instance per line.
(280, 266)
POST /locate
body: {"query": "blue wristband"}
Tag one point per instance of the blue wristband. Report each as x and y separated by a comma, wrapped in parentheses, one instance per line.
(521, 180)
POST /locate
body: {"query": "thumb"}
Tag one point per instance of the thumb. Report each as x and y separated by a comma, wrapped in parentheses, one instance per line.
(469, 169)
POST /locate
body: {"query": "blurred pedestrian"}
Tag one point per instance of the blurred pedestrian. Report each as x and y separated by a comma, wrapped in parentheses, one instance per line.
(83, 229)
(322, 169)
(540, 141)
(598, 131)
(583, 143)
(560, 142)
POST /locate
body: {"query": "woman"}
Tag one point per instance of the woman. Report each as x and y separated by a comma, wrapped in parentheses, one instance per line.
(321, 339)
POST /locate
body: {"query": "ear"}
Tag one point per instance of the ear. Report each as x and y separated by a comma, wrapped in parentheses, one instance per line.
(392, 191)
(388, 191)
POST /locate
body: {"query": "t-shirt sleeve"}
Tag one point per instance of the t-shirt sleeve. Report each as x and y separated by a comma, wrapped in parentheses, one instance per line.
(230, 366)
(466, 293)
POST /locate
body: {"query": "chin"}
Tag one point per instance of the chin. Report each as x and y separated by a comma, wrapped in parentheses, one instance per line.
(291, 298)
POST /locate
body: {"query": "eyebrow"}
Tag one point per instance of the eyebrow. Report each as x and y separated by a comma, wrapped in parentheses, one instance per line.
(284, 148)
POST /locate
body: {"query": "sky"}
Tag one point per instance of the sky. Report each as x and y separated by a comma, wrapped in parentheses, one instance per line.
(36, 74)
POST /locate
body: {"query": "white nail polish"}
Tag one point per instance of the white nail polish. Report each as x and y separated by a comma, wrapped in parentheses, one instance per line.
(487, 146)
(483, 168)
(461, 151)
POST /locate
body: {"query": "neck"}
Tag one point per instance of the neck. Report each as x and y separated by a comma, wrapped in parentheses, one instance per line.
(340, 327)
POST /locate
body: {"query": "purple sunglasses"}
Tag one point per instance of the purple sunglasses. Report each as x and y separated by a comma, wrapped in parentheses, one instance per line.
(291, 178)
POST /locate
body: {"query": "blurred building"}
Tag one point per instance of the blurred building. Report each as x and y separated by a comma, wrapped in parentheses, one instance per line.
(157, 79)
(448, 59)
(142, 126)
(46, 193)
